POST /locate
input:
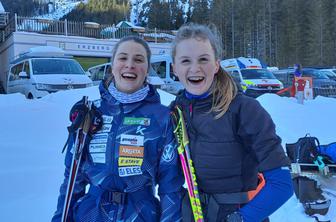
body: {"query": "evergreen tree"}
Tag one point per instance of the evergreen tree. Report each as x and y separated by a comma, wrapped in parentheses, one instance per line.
(280, 32)
(328, 33)
(219, 9)
(200, 12)
(154, 14)
(176, 14)
(100, 11)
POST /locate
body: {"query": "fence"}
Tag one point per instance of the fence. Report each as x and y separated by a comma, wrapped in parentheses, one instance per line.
(3, 19)
(85, 29)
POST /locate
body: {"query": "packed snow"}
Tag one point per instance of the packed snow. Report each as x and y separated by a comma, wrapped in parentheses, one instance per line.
(33, 133)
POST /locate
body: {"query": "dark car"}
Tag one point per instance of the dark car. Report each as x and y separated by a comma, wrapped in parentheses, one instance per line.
(322, 84)
(331, 73)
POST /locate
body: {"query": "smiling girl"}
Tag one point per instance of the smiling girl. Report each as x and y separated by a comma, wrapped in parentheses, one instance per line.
(232, 137)
(133, 152)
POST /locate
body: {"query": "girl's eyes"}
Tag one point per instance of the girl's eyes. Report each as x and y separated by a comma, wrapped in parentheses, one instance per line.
(139, 60)
(122, 58)
(203, 59)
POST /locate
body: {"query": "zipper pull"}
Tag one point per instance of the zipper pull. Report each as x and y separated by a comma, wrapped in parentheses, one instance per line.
(190, 110)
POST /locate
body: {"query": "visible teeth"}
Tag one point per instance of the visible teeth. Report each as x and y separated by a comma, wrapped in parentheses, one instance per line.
(195, 78)
(129, 75)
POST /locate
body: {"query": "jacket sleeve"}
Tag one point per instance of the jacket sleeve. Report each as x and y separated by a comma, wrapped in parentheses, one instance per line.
(273, 195)
(79, 188)
(170, 179)
(256, 130)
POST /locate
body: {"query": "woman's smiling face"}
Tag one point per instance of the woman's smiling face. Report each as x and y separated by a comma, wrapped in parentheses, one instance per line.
(130, 67)
(195, 65)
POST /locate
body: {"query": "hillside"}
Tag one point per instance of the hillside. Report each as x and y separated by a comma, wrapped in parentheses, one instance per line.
(101, 11)
(23, 7)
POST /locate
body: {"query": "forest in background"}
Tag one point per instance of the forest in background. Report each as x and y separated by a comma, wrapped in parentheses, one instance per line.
(280, 32)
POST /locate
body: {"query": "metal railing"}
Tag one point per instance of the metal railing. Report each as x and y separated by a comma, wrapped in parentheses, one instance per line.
(3, 19)
(7, 30)
(85, 29)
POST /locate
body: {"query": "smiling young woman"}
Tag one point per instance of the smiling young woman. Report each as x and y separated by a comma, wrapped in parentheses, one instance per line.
(232, 138)
(195, 66)
(132, 153)
(130, 66)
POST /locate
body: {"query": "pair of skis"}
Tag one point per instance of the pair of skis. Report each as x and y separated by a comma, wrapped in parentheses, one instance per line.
(81, 125)
(181, 135)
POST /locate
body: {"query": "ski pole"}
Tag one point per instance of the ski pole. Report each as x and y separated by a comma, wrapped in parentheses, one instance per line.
(81, 135)
(187, 164)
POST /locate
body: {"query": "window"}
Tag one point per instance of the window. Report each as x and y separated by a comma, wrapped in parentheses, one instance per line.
(56, 66)
(15, 70)
(26, 68)
(160, 69)
(235, 76)
(329, 73)
(98, 73)
(314, 73)
(257, 74)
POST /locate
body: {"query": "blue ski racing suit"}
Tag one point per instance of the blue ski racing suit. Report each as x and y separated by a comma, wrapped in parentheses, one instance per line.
(134, 151)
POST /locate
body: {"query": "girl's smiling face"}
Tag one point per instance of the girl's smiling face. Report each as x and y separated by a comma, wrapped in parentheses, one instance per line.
(130, 67)
(195, 65)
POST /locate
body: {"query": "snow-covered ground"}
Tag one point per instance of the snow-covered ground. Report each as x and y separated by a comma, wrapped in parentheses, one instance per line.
(33, 133)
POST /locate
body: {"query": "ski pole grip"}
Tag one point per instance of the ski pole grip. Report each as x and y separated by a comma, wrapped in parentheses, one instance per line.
(81, 113)
(87, 122)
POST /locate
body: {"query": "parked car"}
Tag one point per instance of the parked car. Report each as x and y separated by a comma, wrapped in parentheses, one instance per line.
(252, 76)
(331, 73)
(102, 71)
(322, 85)
(162, 65)
(43, 70)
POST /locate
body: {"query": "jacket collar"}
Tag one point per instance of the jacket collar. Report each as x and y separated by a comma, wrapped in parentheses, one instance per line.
(182, 99)
(152, 97)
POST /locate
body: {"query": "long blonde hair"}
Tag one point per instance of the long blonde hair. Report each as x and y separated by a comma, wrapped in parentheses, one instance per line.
(224, 88)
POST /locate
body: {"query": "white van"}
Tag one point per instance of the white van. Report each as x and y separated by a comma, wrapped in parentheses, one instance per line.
(43, 70)
(99, 72)
(162, 64)
(252, 75)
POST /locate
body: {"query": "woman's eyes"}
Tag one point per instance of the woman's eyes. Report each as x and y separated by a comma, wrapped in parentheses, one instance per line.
(137, 60)
(200, 60)
(122, 58)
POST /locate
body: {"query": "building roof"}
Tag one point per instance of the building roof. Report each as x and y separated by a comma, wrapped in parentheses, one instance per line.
(127, 24)
(1, 8)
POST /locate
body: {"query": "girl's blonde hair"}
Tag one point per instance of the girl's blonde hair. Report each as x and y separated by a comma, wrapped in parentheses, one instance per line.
(223, 87)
